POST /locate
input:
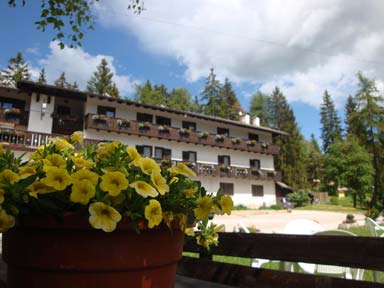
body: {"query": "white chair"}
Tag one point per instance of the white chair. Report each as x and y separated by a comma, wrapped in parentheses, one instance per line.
(376, 231)
(331, 270)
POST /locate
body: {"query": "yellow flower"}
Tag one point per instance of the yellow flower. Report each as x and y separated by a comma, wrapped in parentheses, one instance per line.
(147, 165)
(77, 137)
(208, 240)
(6, 221)
(134, 156)
(226, 204)
(9, 176)
(104, 149)
(113, 183)
(174, 180)
(39, 187)
(168, 218)
(189, 193)
(2, 192)
(183, 221)
(153, 213)
(82, 192)
(85, 174)
(182, 169)
(144, 189)
(103, 216)
(54, 160)
(57, 178)
(61, 144)
(204, 207)
(159, 182)
(26, 171)
(189, 231)
(80, 163)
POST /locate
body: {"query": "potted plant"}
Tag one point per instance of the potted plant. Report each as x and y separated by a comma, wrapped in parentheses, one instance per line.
(144, 126)
(105, 209)
(264, 145)
(203, 135)
(164, 129)
(224, 168)
(220, 138)
(12, 113)
(99, 119)
(184, 132)
(251, 143)
(123, 123)
(236, 141)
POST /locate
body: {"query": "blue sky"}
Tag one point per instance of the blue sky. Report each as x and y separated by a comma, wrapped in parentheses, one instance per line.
(257, 46)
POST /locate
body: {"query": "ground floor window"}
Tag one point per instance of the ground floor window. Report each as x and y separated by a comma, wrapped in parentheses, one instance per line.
(144, 150)
(257, 190)
(226, 188)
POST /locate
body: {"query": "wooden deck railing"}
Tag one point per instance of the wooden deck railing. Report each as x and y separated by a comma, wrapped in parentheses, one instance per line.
(356, 252)
(24, 140)
(176, 134)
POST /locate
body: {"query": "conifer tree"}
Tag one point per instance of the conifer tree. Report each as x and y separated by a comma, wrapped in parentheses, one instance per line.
(210, 95)
(163, 91)
(228, 102)
(101, 81)
(259, 107)
(331, 127)
(42, 77)
(61, 82)
(314, 162)
(147, 95)
(181, 99)
(16, 70)
(292, 157)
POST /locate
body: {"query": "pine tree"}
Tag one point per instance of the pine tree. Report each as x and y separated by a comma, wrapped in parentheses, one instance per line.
(61, 82)
(227, 101)
(147, 95)
(196, 106)
(101, 81)
(210, 95)
(73, 86)
(42, 77)
(16, 70)
(314, 163)
(370, 114)
(163, 91)
(181, 99)
(259, 107)
(292, 157)
(331, 127)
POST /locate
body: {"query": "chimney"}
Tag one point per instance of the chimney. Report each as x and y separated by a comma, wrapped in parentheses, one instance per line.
(246, 118)
(256, 121)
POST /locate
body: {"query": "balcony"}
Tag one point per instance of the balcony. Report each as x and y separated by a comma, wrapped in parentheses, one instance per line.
(23, 140)
(101, 122)
(11, 118)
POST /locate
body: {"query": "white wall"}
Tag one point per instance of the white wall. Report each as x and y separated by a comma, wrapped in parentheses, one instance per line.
(37, 122)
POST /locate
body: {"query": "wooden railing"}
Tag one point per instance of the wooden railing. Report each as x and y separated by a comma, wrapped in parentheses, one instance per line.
(24, 140)
(176, 134)
(14, 116)
(355, 252)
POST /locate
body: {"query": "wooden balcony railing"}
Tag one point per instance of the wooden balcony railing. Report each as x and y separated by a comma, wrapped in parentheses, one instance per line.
(22, 140)
(14, 116)
(180, 135)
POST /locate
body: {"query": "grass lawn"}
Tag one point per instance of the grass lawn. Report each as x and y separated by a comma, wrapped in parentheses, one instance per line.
(329, 207)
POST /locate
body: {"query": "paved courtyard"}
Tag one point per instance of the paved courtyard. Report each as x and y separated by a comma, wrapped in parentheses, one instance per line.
(268, 221)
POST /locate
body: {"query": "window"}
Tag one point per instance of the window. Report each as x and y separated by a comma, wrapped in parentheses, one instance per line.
(63, 110)
(7, 103)
(144, 150)
(107, 111)
(252, 136)
(189, 156)
(160, 120)
(163, 153)
(254, 163)
(257, 190)
(223, 131)
(224, 160)
(226, 188)
(144, 117)
(189, 125)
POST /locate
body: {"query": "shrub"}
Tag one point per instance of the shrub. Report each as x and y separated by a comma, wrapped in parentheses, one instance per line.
(350, 218)
(298, 198)
(373, 213)
(334, 200)
(240, 207)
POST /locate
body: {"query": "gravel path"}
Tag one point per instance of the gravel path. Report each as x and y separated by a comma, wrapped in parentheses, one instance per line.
(268, 221)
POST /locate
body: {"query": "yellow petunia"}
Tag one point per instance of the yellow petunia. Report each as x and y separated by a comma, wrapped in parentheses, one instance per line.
(153, 213)
(204, 207)
(77, 137)
(144, 189)
(6, 221)
(182, 169)
(103, 216)
(61, 144)
(134, 156)
(82, 192)
(147, 165)
(57, 178)
(226, 204)
(113, 183)
(81, 163)
(159, 182)
(208, 240)
(85, 174)
(168, 218)
(183, 221)
(2, 192)
(189, 193)
(174, 180)
(39, 187)
(8, 176)
(26, 171)
(104, 149)
(54, 160)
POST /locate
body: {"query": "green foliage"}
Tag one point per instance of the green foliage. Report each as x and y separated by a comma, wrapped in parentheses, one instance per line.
(228, 102)
(350, 218)
(240, 207)
(181, 99)
(333, 200)
(42, 77)
(300, 198)
(61, 82)
(101, 81)
(210, 95)
(373, 213)
(259, 107)
(16, 70)
(314, 162)
(147, 95)
(272, 207)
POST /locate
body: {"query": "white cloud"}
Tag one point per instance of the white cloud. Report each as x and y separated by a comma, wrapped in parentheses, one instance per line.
(79, 66)
(305, 46)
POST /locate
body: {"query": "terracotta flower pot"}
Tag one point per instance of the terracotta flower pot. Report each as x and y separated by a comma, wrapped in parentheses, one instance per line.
(42, 253)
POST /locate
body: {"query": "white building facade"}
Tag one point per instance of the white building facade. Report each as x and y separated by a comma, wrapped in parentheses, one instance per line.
(237, 157)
